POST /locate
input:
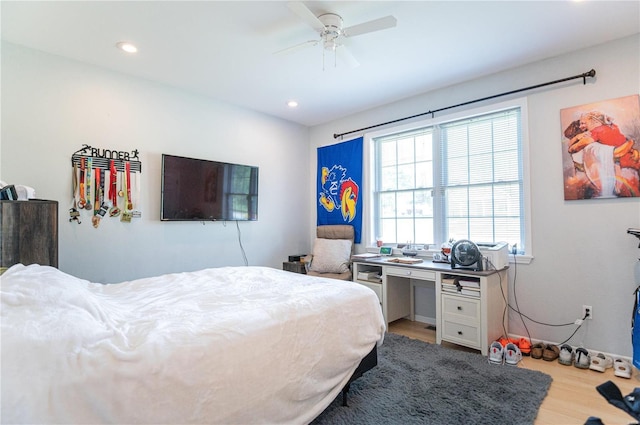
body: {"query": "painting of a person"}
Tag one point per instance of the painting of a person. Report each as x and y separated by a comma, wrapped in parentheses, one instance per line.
(606, 161)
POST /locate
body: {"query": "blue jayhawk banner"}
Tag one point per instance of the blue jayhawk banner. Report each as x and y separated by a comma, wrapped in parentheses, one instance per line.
(340, 184)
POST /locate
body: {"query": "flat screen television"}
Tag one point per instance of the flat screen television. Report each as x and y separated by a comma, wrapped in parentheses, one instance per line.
(202, 190)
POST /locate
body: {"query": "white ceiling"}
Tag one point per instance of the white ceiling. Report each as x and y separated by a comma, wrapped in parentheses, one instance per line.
(225, 49)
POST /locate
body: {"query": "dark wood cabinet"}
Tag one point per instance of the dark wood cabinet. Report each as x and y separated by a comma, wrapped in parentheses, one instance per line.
(28, 232)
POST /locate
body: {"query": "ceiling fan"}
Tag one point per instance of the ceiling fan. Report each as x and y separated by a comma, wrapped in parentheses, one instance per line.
(332, 33)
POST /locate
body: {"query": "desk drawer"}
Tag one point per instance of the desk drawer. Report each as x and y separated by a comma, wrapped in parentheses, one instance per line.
(410, 273)
(462, 334)
(459, 308)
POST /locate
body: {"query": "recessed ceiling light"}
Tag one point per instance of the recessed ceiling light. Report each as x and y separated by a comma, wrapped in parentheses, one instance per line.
(126, 46)
(292, 104)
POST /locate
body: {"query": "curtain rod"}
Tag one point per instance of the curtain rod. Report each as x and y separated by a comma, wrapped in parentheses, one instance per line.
(584, 76)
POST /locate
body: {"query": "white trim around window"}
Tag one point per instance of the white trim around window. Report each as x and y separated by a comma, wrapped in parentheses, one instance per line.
(368, 238)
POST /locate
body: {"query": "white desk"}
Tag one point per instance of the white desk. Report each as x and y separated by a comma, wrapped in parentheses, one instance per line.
(473, 320)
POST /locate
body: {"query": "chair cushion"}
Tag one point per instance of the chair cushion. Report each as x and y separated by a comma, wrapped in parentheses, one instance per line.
(340, 276)
(331, 255)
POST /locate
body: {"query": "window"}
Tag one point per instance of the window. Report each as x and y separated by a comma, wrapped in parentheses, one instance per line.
(452, 179)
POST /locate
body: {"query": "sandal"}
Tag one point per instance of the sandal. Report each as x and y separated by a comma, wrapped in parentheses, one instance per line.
(550, 353)
(566, 355)
(582, 358)
(601, 362)
(622, 368)
(537, 349)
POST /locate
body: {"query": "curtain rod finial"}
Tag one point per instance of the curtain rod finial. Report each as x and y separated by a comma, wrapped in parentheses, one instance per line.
(590, 74)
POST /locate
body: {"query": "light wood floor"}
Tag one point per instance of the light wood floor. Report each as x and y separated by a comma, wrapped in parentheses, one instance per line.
(572, 397)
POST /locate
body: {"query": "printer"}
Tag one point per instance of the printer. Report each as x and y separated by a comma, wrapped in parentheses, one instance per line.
(497, 254)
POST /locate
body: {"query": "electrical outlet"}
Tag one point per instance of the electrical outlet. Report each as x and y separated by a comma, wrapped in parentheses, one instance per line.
(587, 312)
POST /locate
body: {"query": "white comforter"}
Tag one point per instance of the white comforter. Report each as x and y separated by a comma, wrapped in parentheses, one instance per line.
(226, 345)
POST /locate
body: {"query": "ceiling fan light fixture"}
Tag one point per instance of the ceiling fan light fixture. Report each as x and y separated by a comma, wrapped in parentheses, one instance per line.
(126, 46)
(330, 45)
(330, 28)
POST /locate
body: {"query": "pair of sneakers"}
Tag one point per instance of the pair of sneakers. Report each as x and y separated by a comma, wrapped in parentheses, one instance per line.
(509, 354)
(578, 357)
(523, 344)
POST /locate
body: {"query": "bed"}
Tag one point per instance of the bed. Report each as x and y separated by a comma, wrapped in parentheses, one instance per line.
(229, 345)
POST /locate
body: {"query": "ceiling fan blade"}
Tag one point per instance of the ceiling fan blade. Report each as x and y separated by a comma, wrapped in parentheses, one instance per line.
(371, 26)
(297, 47)
(345, 56)
(306, 15)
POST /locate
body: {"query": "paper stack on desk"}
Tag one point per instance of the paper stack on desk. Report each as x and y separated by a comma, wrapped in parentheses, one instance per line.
(469, 283)
(449, 285)
(405, 260)
(470, 287)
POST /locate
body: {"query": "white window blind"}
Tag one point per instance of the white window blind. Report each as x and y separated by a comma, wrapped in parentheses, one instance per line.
(481, 175)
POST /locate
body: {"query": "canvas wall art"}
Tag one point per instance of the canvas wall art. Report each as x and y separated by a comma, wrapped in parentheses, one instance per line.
(601, 149)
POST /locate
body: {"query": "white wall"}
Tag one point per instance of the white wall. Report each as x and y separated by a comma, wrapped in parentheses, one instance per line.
(582, 254)
(51, 106)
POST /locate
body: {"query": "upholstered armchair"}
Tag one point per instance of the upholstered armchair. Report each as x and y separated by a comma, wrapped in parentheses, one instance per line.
(332, 252)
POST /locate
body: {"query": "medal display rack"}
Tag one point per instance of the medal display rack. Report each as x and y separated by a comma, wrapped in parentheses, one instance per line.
(102, 183)
(104, 163)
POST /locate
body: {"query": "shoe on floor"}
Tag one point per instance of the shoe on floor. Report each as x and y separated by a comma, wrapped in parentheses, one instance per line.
(582, 358)
(566, 355)
(622, 368)
(512, 354)
(496, 353)
(601, 362)
(537, 349)
(504, 341)
(525, 346)
(550, 353)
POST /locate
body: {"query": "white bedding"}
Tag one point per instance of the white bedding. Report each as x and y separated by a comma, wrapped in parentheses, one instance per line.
(230, 345)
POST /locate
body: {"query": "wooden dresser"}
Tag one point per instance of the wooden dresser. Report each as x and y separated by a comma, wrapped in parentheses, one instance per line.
(28, 233)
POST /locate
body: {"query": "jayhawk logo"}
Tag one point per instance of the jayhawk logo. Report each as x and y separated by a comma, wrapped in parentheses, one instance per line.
(338, 189)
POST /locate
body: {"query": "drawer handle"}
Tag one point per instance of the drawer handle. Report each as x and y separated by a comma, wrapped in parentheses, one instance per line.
(460, 333)
(459, 308)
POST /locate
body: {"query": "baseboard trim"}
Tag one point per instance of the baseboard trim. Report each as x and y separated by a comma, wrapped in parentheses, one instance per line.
(424, 319)
(432, 321)
(590, 350)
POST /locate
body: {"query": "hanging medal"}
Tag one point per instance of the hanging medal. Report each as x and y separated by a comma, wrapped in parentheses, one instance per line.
(88, 183)
(103, 206)
(95, 220)
(99, 208)
(127, 175)
(83, 202)
(74, 214)
(126, 214)
(136, 213)
(114, 211)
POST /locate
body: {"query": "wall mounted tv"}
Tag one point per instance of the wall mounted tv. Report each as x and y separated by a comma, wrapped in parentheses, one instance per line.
(202, 190)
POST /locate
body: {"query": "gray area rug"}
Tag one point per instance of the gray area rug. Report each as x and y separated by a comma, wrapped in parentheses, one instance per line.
(420, 383)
